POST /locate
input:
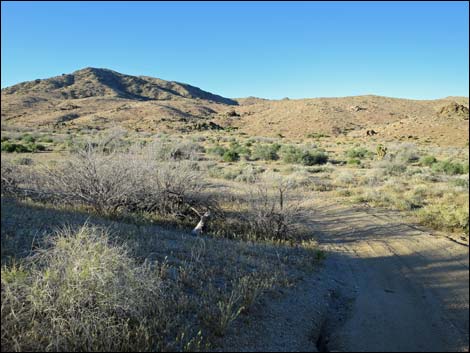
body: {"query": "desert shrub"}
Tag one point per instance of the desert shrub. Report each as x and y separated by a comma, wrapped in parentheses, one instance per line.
(115, 183)
(27, 138)
(231, 156)
(392, 167)
(15, 147)
(266, 152)
(449, 213)
(354, 161)
(83, 293)
(450, 167)
(217, 150)
(165, 150)
(404, 153)
(461, 183)
(428, 161)
(249, 174)
(46, 139)
(266, 212)
(243, 151)
(358, 153)
(11, 178)
(272, 214)
(36, 147)
(316, 135)
(245, 173)
(290, 154)
(310, 158)
(23, 161)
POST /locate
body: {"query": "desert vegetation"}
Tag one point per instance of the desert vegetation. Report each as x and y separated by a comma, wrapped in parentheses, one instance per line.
(100, 277)
(97, 251)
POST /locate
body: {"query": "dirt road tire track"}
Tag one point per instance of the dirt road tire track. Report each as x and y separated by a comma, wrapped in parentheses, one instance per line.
(386, 286)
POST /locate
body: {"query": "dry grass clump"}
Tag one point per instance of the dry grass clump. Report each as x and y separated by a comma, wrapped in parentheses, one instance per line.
(83, 294)
(10, 175)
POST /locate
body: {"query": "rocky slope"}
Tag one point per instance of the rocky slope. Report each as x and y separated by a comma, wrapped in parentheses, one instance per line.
(101, 98)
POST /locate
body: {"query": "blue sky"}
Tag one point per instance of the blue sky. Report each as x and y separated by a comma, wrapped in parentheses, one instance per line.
(238, 49)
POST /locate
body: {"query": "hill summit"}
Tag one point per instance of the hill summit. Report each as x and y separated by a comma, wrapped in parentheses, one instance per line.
(94, 82)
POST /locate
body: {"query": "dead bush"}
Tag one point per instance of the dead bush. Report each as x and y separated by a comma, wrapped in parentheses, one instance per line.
(267, 212)
(111, 183)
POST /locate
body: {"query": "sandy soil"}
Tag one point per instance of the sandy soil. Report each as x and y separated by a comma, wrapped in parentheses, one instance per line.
(386, 286)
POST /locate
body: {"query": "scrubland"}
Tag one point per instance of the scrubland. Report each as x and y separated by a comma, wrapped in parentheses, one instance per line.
(97, 252)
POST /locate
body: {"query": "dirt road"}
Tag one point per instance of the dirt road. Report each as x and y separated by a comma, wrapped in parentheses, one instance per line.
(411, 288)
(386, 286)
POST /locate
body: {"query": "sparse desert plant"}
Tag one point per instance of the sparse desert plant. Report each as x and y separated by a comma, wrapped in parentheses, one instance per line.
(243, 151)
(23, 161)
(450, 167)
(290, 154)
(448, 213)
(35, 147)
(11, 178)
(15, 147)
(249, 174)
(27, 138)
(310, 158)
(231, 156)
(116, 182)
(428, 160)
(266, 152)
(272, 214)
(103, 182)
(406, 153)
(82, 294)
(217, 150)
(392, 167)
(354, 161)
(166, 150)
(357, 153)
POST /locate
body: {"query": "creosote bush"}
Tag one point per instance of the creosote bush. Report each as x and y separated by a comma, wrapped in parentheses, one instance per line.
(294, 155)
(358, 153)
(450, 167)
(231, 156)
(266, 152)
(428, 161)
(20, 148)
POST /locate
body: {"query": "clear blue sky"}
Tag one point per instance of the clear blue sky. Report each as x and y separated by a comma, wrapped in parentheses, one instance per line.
(237, 49)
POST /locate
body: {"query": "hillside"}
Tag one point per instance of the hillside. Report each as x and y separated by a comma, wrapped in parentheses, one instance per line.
(101, 98)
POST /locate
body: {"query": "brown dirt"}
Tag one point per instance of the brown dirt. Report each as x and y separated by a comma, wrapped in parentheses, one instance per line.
(386, 286)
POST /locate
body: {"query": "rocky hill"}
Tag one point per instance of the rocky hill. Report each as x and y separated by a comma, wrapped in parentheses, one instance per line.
(102, 98)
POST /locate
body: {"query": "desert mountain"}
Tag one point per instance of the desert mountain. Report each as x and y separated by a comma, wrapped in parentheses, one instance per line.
(92, 82)
(102, 98)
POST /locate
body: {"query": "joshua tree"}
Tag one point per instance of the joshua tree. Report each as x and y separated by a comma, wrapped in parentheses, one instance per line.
(381, 152)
